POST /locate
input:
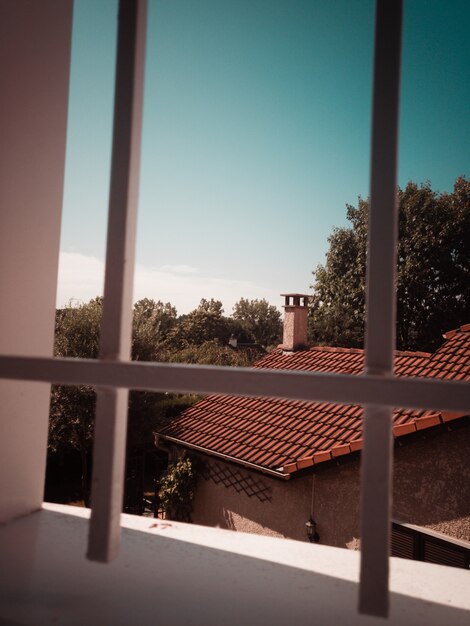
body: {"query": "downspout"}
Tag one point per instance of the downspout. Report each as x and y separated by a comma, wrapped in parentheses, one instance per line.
(312, 533)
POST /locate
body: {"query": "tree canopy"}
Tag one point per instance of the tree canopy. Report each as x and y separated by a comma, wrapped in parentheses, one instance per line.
(205, 323)
(259, 320)
(72, 409)
(433, 272)
(158, 334)
(152, 322)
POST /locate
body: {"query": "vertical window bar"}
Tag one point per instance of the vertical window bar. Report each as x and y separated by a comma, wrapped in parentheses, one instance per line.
(380, 319)
(116, 329)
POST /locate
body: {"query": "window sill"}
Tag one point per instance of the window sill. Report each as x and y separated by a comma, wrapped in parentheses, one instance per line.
(177, 573)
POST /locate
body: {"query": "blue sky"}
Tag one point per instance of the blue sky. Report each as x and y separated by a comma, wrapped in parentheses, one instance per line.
(256, 135)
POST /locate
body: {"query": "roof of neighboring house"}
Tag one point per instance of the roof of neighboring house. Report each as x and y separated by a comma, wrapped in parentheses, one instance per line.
(286, 436)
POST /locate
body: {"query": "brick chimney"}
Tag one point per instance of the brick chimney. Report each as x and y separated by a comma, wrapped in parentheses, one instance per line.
(295, 322)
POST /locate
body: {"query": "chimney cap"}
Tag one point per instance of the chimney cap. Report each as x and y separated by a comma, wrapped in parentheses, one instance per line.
(295, 299)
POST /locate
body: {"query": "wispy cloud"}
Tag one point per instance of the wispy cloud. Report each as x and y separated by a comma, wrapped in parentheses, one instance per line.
(179, 269)
(81, 278)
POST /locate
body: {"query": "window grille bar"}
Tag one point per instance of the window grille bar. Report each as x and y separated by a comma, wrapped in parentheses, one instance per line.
(413, 393)
(116, 329)
(376, 466)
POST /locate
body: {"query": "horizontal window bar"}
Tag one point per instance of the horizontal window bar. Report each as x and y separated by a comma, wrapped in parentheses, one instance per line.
(310, 386)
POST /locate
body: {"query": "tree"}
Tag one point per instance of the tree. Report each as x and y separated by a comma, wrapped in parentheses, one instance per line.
(148, 412)
(77, 330)
(337, 309)
(205, 323)
(259, 320)
(72, 409)
(433, 272)
(151, 325)
(71, 423)
(176, 491)
(213, 353)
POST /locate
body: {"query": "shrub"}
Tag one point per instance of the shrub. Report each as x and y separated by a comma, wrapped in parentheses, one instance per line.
(176, 491)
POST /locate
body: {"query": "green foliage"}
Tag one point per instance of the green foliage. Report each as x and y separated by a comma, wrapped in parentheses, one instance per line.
(149, 412)
(259, 320)
(152, 322)
(205, 323)
(176, 491)
(339, 291)
(77, 335)
(173, 404)
(213, 353)
(78, 404)
(72, 409)
(433, 274)
(77, 330)
(202, 335)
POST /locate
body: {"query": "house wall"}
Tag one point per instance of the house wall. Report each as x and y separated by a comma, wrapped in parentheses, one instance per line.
(431, 488)
(283, 516)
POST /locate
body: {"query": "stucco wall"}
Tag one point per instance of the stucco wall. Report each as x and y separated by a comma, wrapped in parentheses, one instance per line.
(432, 485)
(284, 516)
(431, 489)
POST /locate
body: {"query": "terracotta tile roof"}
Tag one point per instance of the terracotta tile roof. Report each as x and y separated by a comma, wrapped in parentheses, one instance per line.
(287, 435)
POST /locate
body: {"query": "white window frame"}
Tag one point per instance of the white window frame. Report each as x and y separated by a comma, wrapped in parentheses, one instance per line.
(113, 374)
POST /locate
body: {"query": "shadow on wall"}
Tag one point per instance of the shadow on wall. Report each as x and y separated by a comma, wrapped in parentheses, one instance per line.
(431, 488)
(284, 514)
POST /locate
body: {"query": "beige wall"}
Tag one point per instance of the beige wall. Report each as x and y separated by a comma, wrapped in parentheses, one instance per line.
(431, 489)
(284, 516)
(432, 485)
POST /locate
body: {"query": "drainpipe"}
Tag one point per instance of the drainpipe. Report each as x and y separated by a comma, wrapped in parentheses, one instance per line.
(311, 525)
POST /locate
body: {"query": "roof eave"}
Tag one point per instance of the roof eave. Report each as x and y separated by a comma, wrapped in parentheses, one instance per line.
(283, 475)
(287, 470)
(422, 423)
